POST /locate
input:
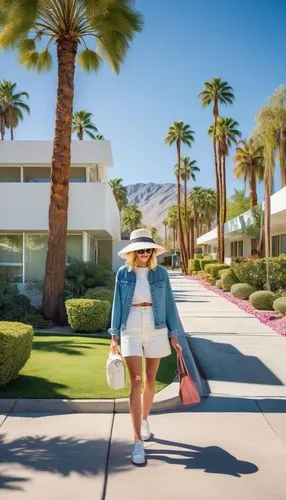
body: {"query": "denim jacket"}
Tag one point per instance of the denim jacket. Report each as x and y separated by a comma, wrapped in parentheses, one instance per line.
(163, 303)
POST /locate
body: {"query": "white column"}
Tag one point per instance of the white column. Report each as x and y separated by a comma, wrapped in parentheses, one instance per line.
(96, 246)
(22, 173)
(85, 256)
(24, 255)
(87, 176)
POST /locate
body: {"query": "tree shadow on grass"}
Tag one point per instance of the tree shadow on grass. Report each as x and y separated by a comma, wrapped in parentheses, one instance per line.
(32, 387)
(57, 455)
(68, 347)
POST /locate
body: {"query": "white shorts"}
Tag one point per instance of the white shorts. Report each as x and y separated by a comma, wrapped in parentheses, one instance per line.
(141, 338)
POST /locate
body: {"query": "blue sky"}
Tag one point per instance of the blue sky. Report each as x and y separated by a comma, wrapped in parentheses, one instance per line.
(183, 44)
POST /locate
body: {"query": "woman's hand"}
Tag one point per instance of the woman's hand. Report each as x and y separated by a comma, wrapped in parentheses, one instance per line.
(175, 343)
(114, 347)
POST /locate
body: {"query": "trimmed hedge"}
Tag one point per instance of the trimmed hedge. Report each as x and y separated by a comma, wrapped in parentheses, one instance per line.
(262, 300)
(218, 284)
(242, 290)
(15, 348)
(215, 268)
(279, 305)
(254, 273)
(205, 262)
(99, 293)
(88, 315)
(228, 279)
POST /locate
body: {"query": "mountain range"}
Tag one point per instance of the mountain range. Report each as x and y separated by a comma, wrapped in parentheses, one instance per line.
(153, 200)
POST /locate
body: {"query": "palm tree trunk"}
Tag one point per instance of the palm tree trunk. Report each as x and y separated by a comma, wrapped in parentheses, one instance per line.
(282, 160)
(12, 134)
(181, 233)
(252, 189)
(192, 237)
(187, 220)
(267, 211)
(174, 239)
(217, 178)
(223, 203)
(54, 283)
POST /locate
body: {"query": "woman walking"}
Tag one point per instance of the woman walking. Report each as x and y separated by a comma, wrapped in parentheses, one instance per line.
(144, 314)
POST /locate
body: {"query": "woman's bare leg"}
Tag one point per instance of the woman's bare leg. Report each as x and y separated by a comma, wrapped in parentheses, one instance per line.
(134, 364)
(151, 368)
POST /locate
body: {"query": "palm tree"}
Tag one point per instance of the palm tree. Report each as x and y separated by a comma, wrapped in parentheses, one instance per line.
(248, 161)
(209, 205)
(188, 171)
(217, 92)
(12, 107)
(172, 217)
(165, 224)
(278, 106)
(119, 192)
(196, 205)
(131, 217)
(180, 133)
(81, 123)
(70, 25)
(99, 137)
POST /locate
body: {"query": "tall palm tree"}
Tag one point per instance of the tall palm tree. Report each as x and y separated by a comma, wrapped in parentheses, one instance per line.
(119, 192)
(165, 224)
(180, 133)
(188, 171)
(70, 25)
(249, 166)
(266, 135)
(209, 205)
(81, 123)
(278, 106)
(196, 205)
(172, 217)
(217, 92)
(12, 107)
(131, 217)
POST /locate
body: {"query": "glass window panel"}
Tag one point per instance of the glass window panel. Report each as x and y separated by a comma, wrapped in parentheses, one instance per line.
(275, 246)
(15, 272)
(10, 174)
(35, 256)
(77, 174)
(240, 248)
(11, 249)
(283, 243)
(74, 247)
(37, 174)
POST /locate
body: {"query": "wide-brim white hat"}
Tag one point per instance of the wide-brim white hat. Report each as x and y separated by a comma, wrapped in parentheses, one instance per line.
(139, 239)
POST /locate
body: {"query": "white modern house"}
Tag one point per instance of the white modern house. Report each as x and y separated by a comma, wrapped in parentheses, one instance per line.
(238, 244)
(93, 216)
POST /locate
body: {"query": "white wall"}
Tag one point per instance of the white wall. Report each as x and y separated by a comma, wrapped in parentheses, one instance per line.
(40, 152)
(24, 206)
(116, 247)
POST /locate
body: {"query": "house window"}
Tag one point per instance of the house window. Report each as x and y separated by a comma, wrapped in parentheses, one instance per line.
(36, 174)
(74, 247)
(236, 248)
(77, 174)
(10, 174)
(11, 256)
(278, 244)
(282, 243)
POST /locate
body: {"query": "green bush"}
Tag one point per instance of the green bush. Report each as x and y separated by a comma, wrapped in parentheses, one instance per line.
(15, 348)
(88, 315)
(228, 279)
(99, 293)
(194, 273)
(205, 262)
(242, 290)
(254, 273)
(262, 300)
(279, 305)
(194, 265)
(36, 320)
(280, 293)
(198, 256)
(80, 276)
(218, 284)
(215, 268)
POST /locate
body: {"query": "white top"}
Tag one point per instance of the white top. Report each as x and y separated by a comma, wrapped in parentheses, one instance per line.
(142, 292)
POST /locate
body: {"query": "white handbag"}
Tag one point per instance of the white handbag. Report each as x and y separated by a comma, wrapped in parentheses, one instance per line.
(115, 371)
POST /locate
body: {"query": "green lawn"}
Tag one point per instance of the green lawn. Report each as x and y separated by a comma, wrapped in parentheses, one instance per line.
(72, 367)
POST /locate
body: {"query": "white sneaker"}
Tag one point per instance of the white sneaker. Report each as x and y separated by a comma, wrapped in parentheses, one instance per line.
(138, 453)
(145, 430)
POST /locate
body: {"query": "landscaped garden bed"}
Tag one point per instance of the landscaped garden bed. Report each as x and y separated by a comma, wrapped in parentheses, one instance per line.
(74, 368)
(269, 318)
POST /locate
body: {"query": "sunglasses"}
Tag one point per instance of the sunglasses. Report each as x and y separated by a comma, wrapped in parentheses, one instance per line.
(145, 250)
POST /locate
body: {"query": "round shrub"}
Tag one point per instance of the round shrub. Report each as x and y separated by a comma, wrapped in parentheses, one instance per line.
(205, 262)
(279, 305)
(218, 284)
(99, 293)
(242, 290)
(228, 279)
(262, 300)
(88, 315)
(214, 269)
(15, 348)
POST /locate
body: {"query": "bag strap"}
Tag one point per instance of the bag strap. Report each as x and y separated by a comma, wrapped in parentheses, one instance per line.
(181, 363)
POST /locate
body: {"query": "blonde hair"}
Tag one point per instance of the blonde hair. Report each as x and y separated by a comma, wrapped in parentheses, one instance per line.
(132, 260)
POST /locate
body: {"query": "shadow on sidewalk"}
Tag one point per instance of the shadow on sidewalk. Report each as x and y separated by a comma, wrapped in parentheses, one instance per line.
(58, 455)
(211, 459)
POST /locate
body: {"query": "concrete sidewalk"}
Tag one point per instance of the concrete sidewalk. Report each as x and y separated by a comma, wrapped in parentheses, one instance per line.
(231, 446)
